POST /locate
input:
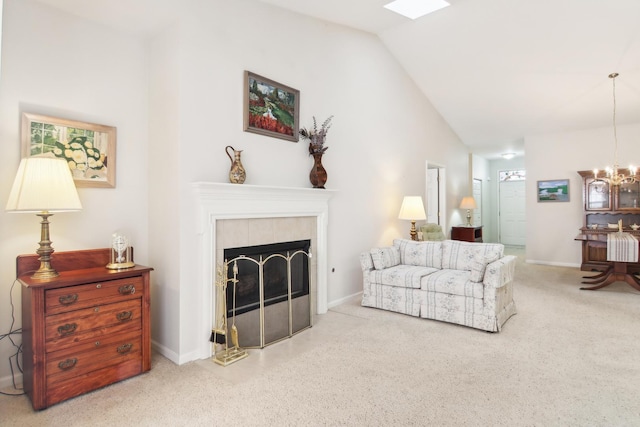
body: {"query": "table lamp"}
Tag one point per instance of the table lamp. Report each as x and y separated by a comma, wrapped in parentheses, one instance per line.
(468, 203)
(43, 185)
(412, 209)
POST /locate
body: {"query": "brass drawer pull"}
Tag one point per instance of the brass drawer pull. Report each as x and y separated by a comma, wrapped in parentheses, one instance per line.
(125, 315)
(67, 329)
(65, 365)
(127, 290)
(125, 348)
(68, 299)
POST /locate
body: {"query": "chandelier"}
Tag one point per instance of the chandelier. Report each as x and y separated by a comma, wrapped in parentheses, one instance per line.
(613, 175)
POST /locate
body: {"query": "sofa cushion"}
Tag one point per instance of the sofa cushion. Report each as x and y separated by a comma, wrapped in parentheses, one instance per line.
(385, 257)
(454, 282)
(479, 265)
(458, 255)
(423, 254)
(404, 276)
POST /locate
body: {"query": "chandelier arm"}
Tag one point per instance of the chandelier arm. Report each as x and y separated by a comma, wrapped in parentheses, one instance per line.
(613, 175)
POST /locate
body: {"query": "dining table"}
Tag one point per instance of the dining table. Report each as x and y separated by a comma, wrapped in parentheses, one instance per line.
(622, 249)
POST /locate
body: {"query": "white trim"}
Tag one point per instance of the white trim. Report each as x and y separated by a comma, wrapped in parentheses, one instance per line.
(555, 264)
(217, 201)
(336, 303)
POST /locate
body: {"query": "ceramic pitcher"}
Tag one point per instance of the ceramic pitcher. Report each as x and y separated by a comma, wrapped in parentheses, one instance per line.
(237, 174)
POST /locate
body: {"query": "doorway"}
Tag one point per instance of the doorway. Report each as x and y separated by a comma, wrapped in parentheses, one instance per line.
(512, 212)
(477, 196)
(435, 197)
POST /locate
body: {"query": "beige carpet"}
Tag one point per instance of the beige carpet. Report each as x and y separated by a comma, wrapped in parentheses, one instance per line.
(569, 357)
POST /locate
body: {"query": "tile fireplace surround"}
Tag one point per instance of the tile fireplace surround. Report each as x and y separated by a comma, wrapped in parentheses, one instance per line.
(234, 215)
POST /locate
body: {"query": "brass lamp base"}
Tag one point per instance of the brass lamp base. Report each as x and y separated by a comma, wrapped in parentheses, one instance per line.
(413, 232)
(469, 218)
(45, 272)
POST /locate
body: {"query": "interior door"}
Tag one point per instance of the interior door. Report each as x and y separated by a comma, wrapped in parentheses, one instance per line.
(512, 213)
(477, 196)
(433, 204)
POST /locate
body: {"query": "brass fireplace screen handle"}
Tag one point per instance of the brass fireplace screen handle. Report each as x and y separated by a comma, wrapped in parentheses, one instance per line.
(65, 365)
(67, 329)
(127, 290)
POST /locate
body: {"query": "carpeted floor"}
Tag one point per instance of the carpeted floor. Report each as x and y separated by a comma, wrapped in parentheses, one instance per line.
(569, 357)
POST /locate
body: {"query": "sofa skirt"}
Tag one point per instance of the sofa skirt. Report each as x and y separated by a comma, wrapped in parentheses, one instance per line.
(468, 311)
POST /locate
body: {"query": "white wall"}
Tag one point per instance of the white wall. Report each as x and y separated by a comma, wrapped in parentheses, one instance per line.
(59, 65)
(551, 227)
(383, 130)
(164, 189)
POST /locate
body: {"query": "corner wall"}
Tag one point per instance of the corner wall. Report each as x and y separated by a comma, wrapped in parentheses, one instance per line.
(63, 66)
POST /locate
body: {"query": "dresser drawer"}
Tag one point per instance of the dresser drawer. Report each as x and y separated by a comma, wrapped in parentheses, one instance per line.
(111, 351)
(76, 386)
(91, 324)
(82, 296)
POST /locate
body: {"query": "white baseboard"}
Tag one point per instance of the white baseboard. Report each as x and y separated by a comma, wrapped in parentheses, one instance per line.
(555, 264)
(337, 302)
(178, 359)
(6, 383)
(169, 354)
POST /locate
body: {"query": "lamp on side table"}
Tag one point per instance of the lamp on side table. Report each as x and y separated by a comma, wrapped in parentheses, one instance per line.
(412, 209)
(43, 185)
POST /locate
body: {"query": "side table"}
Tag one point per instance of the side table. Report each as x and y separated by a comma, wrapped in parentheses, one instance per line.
(467, 234)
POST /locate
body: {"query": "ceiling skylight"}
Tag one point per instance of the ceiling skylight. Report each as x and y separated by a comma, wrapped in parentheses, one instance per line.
(414, 9)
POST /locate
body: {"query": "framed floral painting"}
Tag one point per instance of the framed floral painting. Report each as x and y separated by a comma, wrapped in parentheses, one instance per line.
(89, 149)
(270, 108)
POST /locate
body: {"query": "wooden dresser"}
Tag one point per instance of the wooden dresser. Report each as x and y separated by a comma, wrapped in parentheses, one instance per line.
(85, 329)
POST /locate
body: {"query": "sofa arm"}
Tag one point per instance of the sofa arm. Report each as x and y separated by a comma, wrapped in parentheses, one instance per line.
(500, 272)
(366, 262)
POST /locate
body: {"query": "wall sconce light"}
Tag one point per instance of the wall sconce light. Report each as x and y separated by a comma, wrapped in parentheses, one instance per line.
(412, 209)
(43, 185)
(468, 203)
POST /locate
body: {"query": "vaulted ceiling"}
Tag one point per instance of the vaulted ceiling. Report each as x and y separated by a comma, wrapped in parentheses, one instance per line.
(497, 70)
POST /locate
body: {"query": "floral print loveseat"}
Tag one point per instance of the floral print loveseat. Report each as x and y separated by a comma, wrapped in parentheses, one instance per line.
(469, 284)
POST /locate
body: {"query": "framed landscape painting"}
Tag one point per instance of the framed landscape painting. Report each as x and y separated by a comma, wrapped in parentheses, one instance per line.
(89, 149)
(270, 108)
(553, 191)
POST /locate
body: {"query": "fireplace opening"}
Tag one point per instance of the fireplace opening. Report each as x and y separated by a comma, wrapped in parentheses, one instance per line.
(264, 274)
(274, 272)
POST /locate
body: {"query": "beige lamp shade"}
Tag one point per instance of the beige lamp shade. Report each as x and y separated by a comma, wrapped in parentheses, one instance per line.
(412, 208)
(43, 184)
(468, 203)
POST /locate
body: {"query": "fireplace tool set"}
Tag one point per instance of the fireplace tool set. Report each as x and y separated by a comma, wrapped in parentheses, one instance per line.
(219, 334)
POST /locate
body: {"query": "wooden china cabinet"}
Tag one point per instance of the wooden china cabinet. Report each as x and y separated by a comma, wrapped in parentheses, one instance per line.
(87, 328)
(606, 204)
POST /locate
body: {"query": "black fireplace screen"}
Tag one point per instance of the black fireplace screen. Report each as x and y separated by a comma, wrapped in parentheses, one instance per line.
(274, 274)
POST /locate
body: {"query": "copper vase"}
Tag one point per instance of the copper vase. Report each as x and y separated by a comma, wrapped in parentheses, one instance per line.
(318, 175)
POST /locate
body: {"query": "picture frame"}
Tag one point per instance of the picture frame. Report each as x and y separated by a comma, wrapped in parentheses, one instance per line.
(555, 190)
(88, 148)
(270, 108)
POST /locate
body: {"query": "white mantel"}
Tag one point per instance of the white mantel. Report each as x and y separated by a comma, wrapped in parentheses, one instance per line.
(219, 201)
